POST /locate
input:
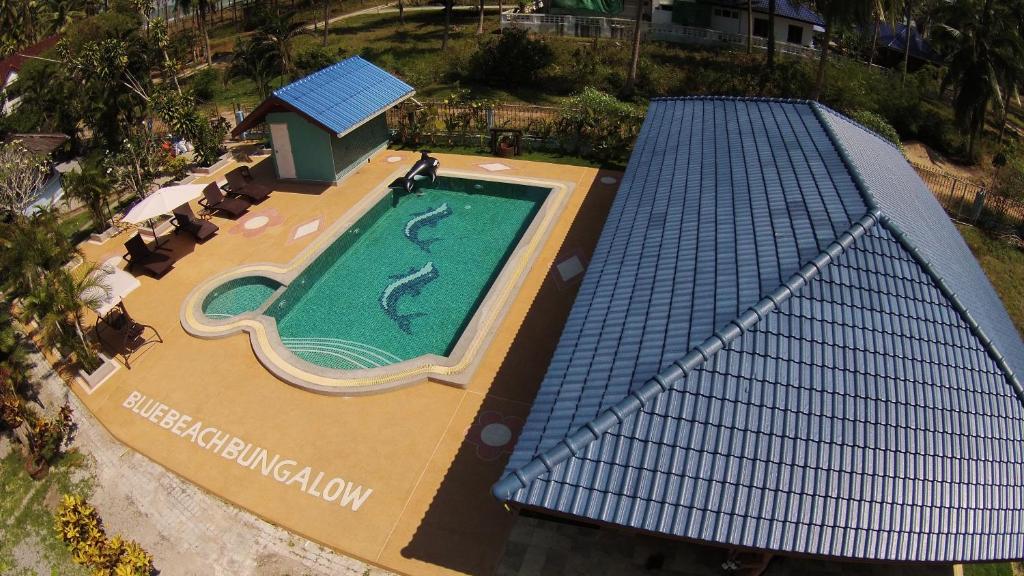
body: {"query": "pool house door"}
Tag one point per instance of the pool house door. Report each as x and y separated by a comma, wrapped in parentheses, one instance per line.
(282, 150)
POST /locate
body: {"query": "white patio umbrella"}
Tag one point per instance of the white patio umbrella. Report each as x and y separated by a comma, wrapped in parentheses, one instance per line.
(161, 202)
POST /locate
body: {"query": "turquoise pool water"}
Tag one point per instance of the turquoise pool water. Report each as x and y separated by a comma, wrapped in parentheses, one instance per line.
(239, 295)
(405, 279)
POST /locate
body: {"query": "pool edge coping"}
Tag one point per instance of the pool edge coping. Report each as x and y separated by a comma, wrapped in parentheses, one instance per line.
(456, 369)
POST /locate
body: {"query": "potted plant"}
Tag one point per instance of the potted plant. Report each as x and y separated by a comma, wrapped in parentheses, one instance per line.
(506, 147)
(46, 438)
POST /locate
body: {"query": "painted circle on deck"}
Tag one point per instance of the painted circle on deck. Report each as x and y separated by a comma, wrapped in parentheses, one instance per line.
(256, 222)
(496, 434)
(608, 180)
(393, 159)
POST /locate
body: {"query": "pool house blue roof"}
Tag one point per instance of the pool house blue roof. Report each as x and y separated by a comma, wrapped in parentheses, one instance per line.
(339, 98)
(781, 343)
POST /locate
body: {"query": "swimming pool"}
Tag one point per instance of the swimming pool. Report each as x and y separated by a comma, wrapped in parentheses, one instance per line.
(391, 294)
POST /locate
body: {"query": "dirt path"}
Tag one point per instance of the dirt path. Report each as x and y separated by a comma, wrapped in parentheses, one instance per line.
(921, 154)
(188, 531)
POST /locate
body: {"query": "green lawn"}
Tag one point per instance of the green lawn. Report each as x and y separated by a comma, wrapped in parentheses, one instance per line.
(26, 517)
(1004, 265)
(988, 570)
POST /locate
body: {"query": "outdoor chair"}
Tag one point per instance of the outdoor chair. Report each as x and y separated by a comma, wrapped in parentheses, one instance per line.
(139, 254)
(122, 335)
(241, 184)
(214, 199)
(185, 220)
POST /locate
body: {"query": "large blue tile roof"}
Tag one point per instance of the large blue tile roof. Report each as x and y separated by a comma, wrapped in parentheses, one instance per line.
(339, 98)
(791, 9)
(782, 343)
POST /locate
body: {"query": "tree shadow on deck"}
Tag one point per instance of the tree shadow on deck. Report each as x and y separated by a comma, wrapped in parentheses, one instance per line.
(465, 528)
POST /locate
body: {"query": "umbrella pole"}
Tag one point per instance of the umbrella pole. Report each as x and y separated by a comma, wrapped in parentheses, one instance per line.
(156, 239)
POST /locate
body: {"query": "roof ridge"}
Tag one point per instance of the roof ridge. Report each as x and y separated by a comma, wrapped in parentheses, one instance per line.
(987, 343)
(698, 355)
(303, 80)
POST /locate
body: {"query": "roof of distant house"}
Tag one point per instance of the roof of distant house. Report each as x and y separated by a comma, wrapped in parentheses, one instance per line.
(15, 61)
(782, 343)
(338, 98)
(41, 144)
(897, 40)
(783, 8)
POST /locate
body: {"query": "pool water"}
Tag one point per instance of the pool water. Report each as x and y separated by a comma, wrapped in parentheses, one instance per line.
(239, 295)
(405, 279)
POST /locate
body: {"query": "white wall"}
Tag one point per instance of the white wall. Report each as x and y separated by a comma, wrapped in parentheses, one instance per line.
(781, 27)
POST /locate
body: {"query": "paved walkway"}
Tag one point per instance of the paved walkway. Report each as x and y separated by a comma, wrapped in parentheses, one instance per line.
(188, 531)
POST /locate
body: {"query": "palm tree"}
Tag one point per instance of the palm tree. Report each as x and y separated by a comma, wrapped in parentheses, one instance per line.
(480, 24)
(200, 8)
(57, 14)
(986, 57)
(770, 49)
(281, 29)
(634, 58)
(257, 59)
(327, 19)
(908, 7)
(837, 13)
(90, 186)
(59, 303)
(880, 9)
(447, 24)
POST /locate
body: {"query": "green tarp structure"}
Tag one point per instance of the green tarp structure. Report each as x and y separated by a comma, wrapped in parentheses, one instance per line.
(596, 7)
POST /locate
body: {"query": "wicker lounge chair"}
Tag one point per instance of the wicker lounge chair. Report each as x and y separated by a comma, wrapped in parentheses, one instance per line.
(185, 220)
(139, 254)
(214, 199)
(122, 335)
(241, 184)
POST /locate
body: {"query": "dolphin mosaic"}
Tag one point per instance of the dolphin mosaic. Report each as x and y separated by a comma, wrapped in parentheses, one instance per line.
(412, 282)
(428, 219)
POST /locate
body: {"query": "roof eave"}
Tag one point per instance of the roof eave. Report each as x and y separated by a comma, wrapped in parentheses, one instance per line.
(379, 111)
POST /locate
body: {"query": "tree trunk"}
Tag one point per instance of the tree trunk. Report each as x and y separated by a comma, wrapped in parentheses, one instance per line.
(447, 24)
(401, 12)
(874, 40)
(480, 23)
(206, 38)
(1006, 114)
(500, 9)
(634, 59)
(750, 26)
(327, 19)
(771, 35)
(906, 47)
(823, 62)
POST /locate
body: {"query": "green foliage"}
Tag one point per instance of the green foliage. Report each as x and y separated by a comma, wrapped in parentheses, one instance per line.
(515, 58)
(48, 437)
(206, 84)
(258, 59)
(598, 125)
(1010, 179)
(315, 58)
(1003, 263)
(28, 249)
(877, 124)
(91, 186)
(1004, 569)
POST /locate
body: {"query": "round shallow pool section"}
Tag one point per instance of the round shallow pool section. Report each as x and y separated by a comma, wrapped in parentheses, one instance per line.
(238, 296)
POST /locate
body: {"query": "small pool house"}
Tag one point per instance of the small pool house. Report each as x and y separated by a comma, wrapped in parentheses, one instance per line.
(326, 124)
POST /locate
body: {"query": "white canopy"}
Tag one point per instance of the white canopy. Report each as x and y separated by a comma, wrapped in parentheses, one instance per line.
(163, 201)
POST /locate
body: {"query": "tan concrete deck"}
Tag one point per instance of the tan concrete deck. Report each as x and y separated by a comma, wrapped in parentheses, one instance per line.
(418, 448)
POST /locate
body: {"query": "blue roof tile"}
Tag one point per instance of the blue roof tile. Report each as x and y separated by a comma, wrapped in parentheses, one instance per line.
(339, 98)
(848, 407)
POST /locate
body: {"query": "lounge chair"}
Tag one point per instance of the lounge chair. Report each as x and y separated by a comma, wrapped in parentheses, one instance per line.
(185, 220)
(214, 199)
(122, 335)
(139, 254)
(241, 184)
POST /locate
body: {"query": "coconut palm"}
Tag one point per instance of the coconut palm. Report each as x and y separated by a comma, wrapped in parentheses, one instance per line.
(90, 186)
(29, 248)
(634, 58)
(257, 59)
(281, 29)
(200, 8)
(882, 10)
(59, 303)
(447, 24)
(986, 53)
(837, 13)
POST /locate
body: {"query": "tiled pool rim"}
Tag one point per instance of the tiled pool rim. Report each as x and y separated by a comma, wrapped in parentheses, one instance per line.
(456, 369)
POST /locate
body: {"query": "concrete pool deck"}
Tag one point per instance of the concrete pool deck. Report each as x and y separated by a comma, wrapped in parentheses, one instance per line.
(399, 479)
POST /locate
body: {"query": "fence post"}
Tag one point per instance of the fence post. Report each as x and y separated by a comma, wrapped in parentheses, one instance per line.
(979, 205)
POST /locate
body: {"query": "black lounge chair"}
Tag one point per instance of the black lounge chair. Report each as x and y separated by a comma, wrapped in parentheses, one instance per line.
(214, 199)
(185, 220)
(241, 184)
(139, 254)
(122, 335)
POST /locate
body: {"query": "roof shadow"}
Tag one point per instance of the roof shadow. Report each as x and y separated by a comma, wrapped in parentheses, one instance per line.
(465, 527)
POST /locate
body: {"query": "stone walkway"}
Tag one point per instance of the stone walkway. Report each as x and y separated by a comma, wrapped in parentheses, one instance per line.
(188, 531)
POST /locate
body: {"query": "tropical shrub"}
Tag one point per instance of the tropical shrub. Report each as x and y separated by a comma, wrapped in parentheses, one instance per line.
(206, 84)
(598, 125)
(91, 186)
(513, 59)
(48, 437)
(79, 526)
(878, 125)
(1010, 179)
(316, 58)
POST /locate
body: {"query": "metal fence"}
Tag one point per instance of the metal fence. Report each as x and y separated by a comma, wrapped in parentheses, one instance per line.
(443, 116)
(594, 26)
(971, 202)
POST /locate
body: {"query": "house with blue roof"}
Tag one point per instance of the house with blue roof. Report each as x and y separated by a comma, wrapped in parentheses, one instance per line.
(328, 123)
(795, 22)
(783, 345)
